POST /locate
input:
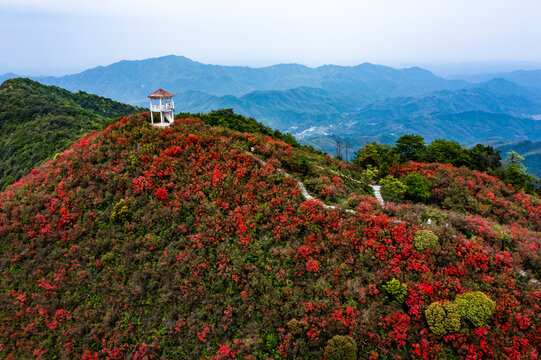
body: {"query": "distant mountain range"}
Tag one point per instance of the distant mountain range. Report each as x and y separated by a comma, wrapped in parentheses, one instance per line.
(529, 150)
(132, 81)
(526, 78)
(356, 103)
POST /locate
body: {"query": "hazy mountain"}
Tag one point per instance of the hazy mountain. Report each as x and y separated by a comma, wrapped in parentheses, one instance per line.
(466, 127)
(290, 110)
(359, 102)
(529, 150)
(467, 115)
(498, 96)
(8, 76)
(526, 78)
(463, 70)
(495, 108)
(132, 81)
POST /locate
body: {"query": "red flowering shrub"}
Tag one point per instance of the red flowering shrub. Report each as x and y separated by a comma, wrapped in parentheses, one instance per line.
(465, 190)
(183, 243)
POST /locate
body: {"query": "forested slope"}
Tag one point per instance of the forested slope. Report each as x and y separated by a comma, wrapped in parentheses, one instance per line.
(38, 121)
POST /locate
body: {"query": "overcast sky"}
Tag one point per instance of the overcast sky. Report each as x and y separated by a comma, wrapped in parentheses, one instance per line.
(66, 36)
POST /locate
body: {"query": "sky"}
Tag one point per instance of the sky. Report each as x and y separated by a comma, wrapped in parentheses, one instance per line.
(54, 37)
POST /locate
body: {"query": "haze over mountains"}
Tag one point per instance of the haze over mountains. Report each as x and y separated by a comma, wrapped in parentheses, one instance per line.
(356, 103)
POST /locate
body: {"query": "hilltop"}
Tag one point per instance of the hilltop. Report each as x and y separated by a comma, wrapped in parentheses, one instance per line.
(38, 121)
(196, 242)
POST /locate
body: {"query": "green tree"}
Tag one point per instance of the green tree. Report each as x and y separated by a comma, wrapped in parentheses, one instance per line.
(514, 159)
(368, 155)
(368, 175)
(515, 173)
(392, 189)
(443, 318)
(411, 147)
(378, 155)
(417, 188)
(484, 158)
(447, 152)
(341, 348)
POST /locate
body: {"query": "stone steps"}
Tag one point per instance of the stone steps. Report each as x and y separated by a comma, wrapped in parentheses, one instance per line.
(377, 192)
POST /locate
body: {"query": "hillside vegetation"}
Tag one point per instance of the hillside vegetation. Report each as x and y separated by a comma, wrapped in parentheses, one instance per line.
(38, 121)
(483, 158)
(195, 242)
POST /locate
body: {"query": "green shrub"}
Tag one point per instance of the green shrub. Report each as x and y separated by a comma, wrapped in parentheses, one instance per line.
(392, 189)
(297, 327)
(437, 217)
(300, 164)
(120, 212)
(368, 175)
(443, 318)
(396, 289)
(341, 348)
(417, 188)
(425, 239)
(476, 307)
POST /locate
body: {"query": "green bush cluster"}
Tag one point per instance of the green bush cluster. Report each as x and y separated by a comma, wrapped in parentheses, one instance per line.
(296, 327)
(413, 147)
(417, 188)
(236, 122)
(300, 164)
(368, 175)
(475, 307)
(443, 318)
(396, 289)
(392, 189)
(438, 217)
(341, 348)
(425, 239)
(120, 212)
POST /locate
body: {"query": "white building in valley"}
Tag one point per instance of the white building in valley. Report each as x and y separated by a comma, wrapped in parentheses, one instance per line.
(162, 102)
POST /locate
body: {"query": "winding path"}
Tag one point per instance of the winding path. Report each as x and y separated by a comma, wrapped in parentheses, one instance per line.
(376, 188)
(377, 193)
(302, 188)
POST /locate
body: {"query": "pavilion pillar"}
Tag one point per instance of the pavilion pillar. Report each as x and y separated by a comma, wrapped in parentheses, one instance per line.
(161, 112)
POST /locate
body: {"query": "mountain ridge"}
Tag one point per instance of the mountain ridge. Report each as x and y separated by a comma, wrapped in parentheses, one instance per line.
(237, 80)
